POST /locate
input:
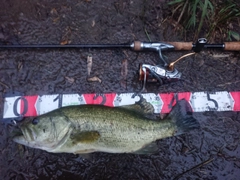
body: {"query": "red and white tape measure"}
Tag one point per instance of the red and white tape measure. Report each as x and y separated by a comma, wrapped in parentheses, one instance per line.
(23, 106)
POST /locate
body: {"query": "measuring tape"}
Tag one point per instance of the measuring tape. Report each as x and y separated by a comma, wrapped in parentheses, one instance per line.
(17, 106)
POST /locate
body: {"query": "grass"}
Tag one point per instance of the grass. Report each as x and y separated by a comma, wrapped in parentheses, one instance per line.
(207, 17)
(222, 18)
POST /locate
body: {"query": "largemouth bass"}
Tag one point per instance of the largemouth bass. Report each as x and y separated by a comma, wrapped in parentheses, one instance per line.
(91, 128)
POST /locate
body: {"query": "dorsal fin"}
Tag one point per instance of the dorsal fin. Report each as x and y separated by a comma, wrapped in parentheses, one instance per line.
(143, 108)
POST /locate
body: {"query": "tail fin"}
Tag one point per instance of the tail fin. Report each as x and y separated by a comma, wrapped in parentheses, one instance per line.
(181, 116)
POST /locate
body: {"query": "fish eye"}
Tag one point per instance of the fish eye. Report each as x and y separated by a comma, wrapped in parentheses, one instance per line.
(35, 121)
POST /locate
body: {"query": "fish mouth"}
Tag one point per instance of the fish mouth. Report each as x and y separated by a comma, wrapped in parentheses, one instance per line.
(20, 139)
(16, 132)
(22, 136)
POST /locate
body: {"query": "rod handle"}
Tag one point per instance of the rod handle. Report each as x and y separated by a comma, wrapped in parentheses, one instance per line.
(228, 46)
(182, 46)
(232, 46)
(138, 45)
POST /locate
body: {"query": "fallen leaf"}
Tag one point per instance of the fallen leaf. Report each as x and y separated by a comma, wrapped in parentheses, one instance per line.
(123, 84)
(124, 70)
(20, 65)
(93, 79)
(55, 20)
(69, 79)
(93, 23)
(54, 11)
(64, 42)
(234, 60)
(201, 62)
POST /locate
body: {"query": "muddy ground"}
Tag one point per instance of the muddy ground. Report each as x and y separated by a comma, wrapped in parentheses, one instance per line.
(213, 152)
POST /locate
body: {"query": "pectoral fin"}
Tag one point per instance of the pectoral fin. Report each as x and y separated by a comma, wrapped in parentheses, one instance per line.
(151, 148)
(85, 137)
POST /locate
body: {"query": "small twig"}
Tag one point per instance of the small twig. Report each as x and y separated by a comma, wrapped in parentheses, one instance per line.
(220, 55)
(183, 10)
(228, 83)
(195, 167)
(89, 64)
(183, 142)
(4, 85)
(148, 35)
(125, 54)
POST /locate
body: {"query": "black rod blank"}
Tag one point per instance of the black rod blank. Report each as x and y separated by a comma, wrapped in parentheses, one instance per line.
(65, 46)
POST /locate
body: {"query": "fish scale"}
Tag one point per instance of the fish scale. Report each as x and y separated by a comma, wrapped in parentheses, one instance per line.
(125, 124)
(91, 128)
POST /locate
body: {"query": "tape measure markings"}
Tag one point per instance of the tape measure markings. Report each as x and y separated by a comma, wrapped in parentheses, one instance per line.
(16, 106)
(9, 102)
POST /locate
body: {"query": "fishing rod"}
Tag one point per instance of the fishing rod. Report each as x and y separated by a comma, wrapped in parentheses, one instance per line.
(163, 72)
(138, 46)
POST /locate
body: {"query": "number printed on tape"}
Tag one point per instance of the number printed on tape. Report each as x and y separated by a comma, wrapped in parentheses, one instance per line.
(200, 101)
(47, 103)
(205, 101)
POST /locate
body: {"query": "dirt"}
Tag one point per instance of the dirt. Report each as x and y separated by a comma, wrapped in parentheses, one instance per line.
(209, 153)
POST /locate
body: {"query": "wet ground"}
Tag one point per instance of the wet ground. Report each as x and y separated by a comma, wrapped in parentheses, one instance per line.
(213, 152)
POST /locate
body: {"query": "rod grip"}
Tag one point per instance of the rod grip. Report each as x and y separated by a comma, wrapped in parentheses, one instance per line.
(232, 46)
(137, 46)
(181, 46)
(177, 45)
